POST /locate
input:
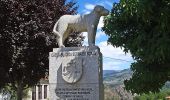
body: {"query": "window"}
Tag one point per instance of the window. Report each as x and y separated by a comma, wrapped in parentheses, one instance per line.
(39, 92)
(45, 91)
(34, 93)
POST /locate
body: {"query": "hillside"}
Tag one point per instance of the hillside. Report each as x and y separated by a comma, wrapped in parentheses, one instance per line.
(116, 78)
(113, 81)
(107, 73)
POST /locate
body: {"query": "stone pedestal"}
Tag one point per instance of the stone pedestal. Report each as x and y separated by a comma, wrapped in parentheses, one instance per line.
(75, 73)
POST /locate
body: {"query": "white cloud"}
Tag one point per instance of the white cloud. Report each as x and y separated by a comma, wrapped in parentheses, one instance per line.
(117, 57)
(99, 34)
(89, 6)
(110, 51)
(100, 25)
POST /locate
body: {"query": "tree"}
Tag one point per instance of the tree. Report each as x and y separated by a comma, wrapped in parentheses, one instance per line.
(141, 27)
(26, 39)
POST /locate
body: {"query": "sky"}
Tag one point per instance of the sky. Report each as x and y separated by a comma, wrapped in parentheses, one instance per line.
(113, 58)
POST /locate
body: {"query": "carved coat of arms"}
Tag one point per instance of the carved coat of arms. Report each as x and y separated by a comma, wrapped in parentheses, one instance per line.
(72, 70)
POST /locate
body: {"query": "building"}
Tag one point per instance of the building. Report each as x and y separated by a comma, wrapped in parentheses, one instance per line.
(39, 91)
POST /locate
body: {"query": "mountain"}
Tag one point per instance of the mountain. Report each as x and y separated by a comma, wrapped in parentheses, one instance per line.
(113, 81)
(107, 73)
(115, 78)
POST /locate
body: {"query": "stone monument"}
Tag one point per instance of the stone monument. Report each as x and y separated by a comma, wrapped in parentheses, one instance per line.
(75, 73)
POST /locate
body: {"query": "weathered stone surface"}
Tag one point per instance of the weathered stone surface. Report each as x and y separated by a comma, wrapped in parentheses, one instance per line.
(75, 73)
(79, 23)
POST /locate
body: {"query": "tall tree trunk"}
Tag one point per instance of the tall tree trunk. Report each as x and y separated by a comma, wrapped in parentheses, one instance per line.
(19, 91)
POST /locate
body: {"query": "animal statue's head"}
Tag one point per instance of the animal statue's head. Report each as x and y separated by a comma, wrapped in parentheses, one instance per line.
(100, 10)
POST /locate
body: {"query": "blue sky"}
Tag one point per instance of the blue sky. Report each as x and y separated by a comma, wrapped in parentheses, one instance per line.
(113, 58)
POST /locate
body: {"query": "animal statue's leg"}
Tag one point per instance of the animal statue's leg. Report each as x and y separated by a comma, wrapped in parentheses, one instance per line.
(59, 38)
(91, 35)
(60, 42)
(62, 34)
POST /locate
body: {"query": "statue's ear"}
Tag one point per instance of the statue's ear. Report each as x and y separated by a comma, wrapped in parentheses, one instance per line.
(97, 8)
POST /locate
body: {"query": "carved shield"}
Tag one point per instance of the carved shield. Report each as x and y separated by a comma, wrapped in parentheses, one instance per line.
(72, 70)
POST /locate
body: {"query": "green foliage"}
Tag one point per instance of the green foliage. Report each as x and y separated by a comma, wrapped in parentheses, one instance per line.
(9, 90)
(141, 27)
(154, 96)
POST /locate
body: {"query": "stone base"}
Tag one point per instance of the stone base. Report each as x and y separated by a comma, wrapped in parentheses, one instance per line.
(75, 73)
